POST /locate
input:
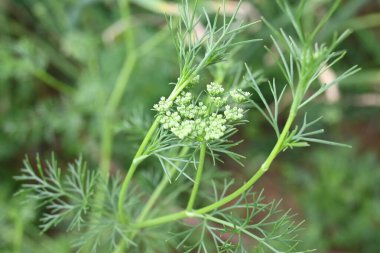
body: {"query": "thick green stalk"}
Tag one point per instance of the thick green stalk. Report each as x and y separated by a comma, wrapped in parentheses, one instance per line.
(111, 106)
(264, 167)
(194, 192)
(164, 219)
(138, 158)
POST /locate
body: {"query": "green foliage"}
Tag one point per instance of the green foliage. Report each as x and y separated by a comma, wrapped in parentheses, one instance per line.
(19, 231)
(91, 73)
(339, 197)
(67, 197)
(228, 228)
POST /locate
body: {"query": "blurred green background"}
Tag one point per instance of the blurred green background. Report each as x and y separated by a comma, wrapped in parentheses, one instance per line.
(59, 61)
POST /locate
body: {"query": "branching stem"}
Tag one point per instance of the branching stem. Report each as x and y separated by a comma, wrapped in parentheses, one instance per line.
(139, 156)
(151, 201)
(279, 146)
(159, 189)
(194, 192)
(183, 82)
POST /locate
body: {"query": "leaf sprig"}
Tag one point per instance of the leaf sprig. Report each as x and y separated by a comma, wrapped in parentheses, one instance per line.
(228, 228)
(197, 51)
(67, 197)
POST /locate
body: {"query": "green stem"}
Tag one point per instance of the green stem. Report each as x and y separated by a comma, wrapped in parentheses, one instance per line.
(108, 116)
(125, 13)
(114, 101)
(181, 85)
(165, 219)
(120, 248)
(139, 157)
(159, 189)
(151, 201)
(264, 167)
(194, 192)
(116, 96)
(53, 82)
(365, 22)
(19, 231)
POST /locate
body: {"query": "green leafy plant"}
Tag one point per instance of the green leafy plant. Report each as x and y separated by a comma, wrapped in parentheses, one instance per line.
(193, 126)
(333, 192)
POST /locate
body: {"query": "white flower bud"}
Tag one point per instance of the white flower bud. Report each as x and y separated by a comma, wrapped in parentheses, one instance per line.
(215, 89)
(233, 114)
(163, 105)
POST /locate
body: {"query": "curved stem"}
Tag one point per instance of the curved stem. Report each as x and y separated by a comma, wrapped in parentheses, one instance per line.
(264, 167)
(194, 192)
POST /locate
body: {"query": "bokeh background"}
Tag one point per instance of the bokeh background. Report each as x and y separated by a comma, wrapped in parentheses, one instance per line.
(59, 61)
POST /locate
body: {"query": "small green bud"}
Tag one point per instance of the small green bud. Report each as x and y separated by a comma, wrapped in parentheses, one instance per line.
(163, 105)
(239, 95)
(195, 80)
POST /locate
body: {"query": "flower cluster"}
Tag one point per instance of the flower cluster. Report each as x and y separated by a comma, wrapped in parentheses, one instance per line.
(205, 120)
(163, 105)
(215, 89)
(239, 96)
(234, 113)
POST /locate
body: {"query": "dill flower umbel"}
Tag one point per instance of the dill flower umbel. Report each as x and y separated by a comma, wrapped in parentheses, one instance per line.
(204, 120)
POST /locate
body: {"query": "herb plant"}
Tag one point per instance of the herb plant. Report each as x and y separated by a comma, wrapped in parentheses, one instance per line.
(189, 208)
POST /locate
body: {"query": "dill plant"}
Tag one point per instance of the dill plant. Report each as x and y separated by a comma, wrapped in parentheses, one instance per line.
(194, 125)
